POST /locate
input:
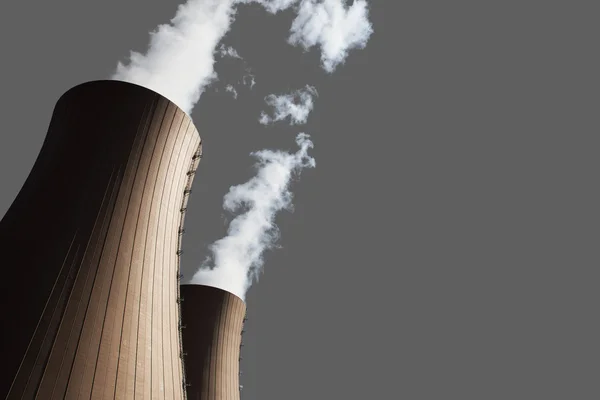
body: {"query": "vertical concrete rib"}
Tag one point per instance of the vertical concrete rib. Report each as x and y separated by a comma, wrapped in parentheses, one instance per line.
(143, 368)
(170, 324)
(99, 345)
(193, 165)
(52, 315)
(173, 389)
(126, 373)
(116, 156)
(160, 300)
(171, 241)
(127, 278)
(58, 368)
(68, 374)
(106, 365)
(128, 341)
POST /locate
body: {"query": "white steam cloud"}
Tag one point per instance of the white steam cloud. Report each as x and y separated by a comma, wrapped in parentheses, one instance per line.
(231, 89)
(228, 51)
(332, 26)
(296, 106)
(272, 6)
(249, 80)
(237, 259)
(180, 58)
(179, 64)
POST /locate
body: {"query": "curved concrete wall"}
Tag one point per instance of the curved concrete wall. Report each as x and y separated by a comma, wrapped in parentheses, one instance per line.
(212, 333)
(90, 250)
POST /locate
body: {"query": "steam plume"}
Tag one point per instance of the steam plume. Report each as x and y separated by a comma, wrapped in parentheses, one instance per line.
(332, 26)
(249, 80)
(237, 259)
(329, 24)
(296, 105)
(228, 51)
(180, 58)
(179, 64)
(231, 89)
(272, 6)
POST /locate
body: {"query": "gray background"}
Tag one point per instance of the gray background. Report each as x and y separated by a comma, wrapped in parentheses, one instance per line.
(446, 244)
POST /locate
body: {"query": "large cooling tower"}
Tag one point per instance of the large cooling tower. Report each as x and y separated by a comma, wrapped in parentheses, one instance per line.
(90, 251)
(212, 326)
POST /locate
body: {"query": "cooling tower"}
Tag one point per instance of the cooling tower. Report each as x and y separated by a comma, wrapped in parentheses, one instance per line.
(212, 327)
(90, 251)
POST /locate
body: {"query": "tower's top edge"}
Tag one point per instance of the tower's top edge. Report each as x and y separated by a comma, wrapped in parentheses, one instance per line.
(207, 287)
(116, 83)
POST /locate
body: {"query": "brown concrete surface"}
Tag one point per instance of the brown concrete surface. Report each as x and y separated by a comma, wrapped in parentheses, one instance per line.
(212, 333)
(90, 251)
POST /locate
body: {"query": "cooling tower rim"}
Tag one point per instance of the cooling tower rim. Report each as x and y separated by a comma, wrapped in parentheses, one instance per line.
(120, 82)
(213, 287)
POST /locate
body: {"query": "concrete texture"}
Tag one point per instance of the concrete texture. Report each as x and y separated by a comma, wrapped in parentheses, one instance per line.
(91, 250)
(212, 333)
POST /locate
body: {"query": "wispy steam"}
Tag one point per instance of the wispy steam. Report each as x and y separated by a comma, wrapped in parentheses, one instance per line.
(332, 26)
(249, 80)
(273, 6)
(237, 259)
(296, 106)
(228, 51)
(180, 58)
(231, 89)
(179, 64)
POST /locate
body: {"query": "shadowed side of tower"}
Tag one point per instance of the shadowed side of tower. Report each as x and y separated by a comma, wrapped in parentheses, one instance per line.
(212, 327)
(91, 252)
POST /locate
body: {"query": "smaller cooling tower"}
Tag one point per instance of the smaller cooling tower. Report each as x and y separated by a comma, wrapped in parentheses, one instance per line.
(212, 333)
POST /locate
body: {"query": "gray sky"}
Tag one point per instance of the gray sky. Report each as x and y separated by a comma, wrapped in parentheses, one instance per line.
(444, 245)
